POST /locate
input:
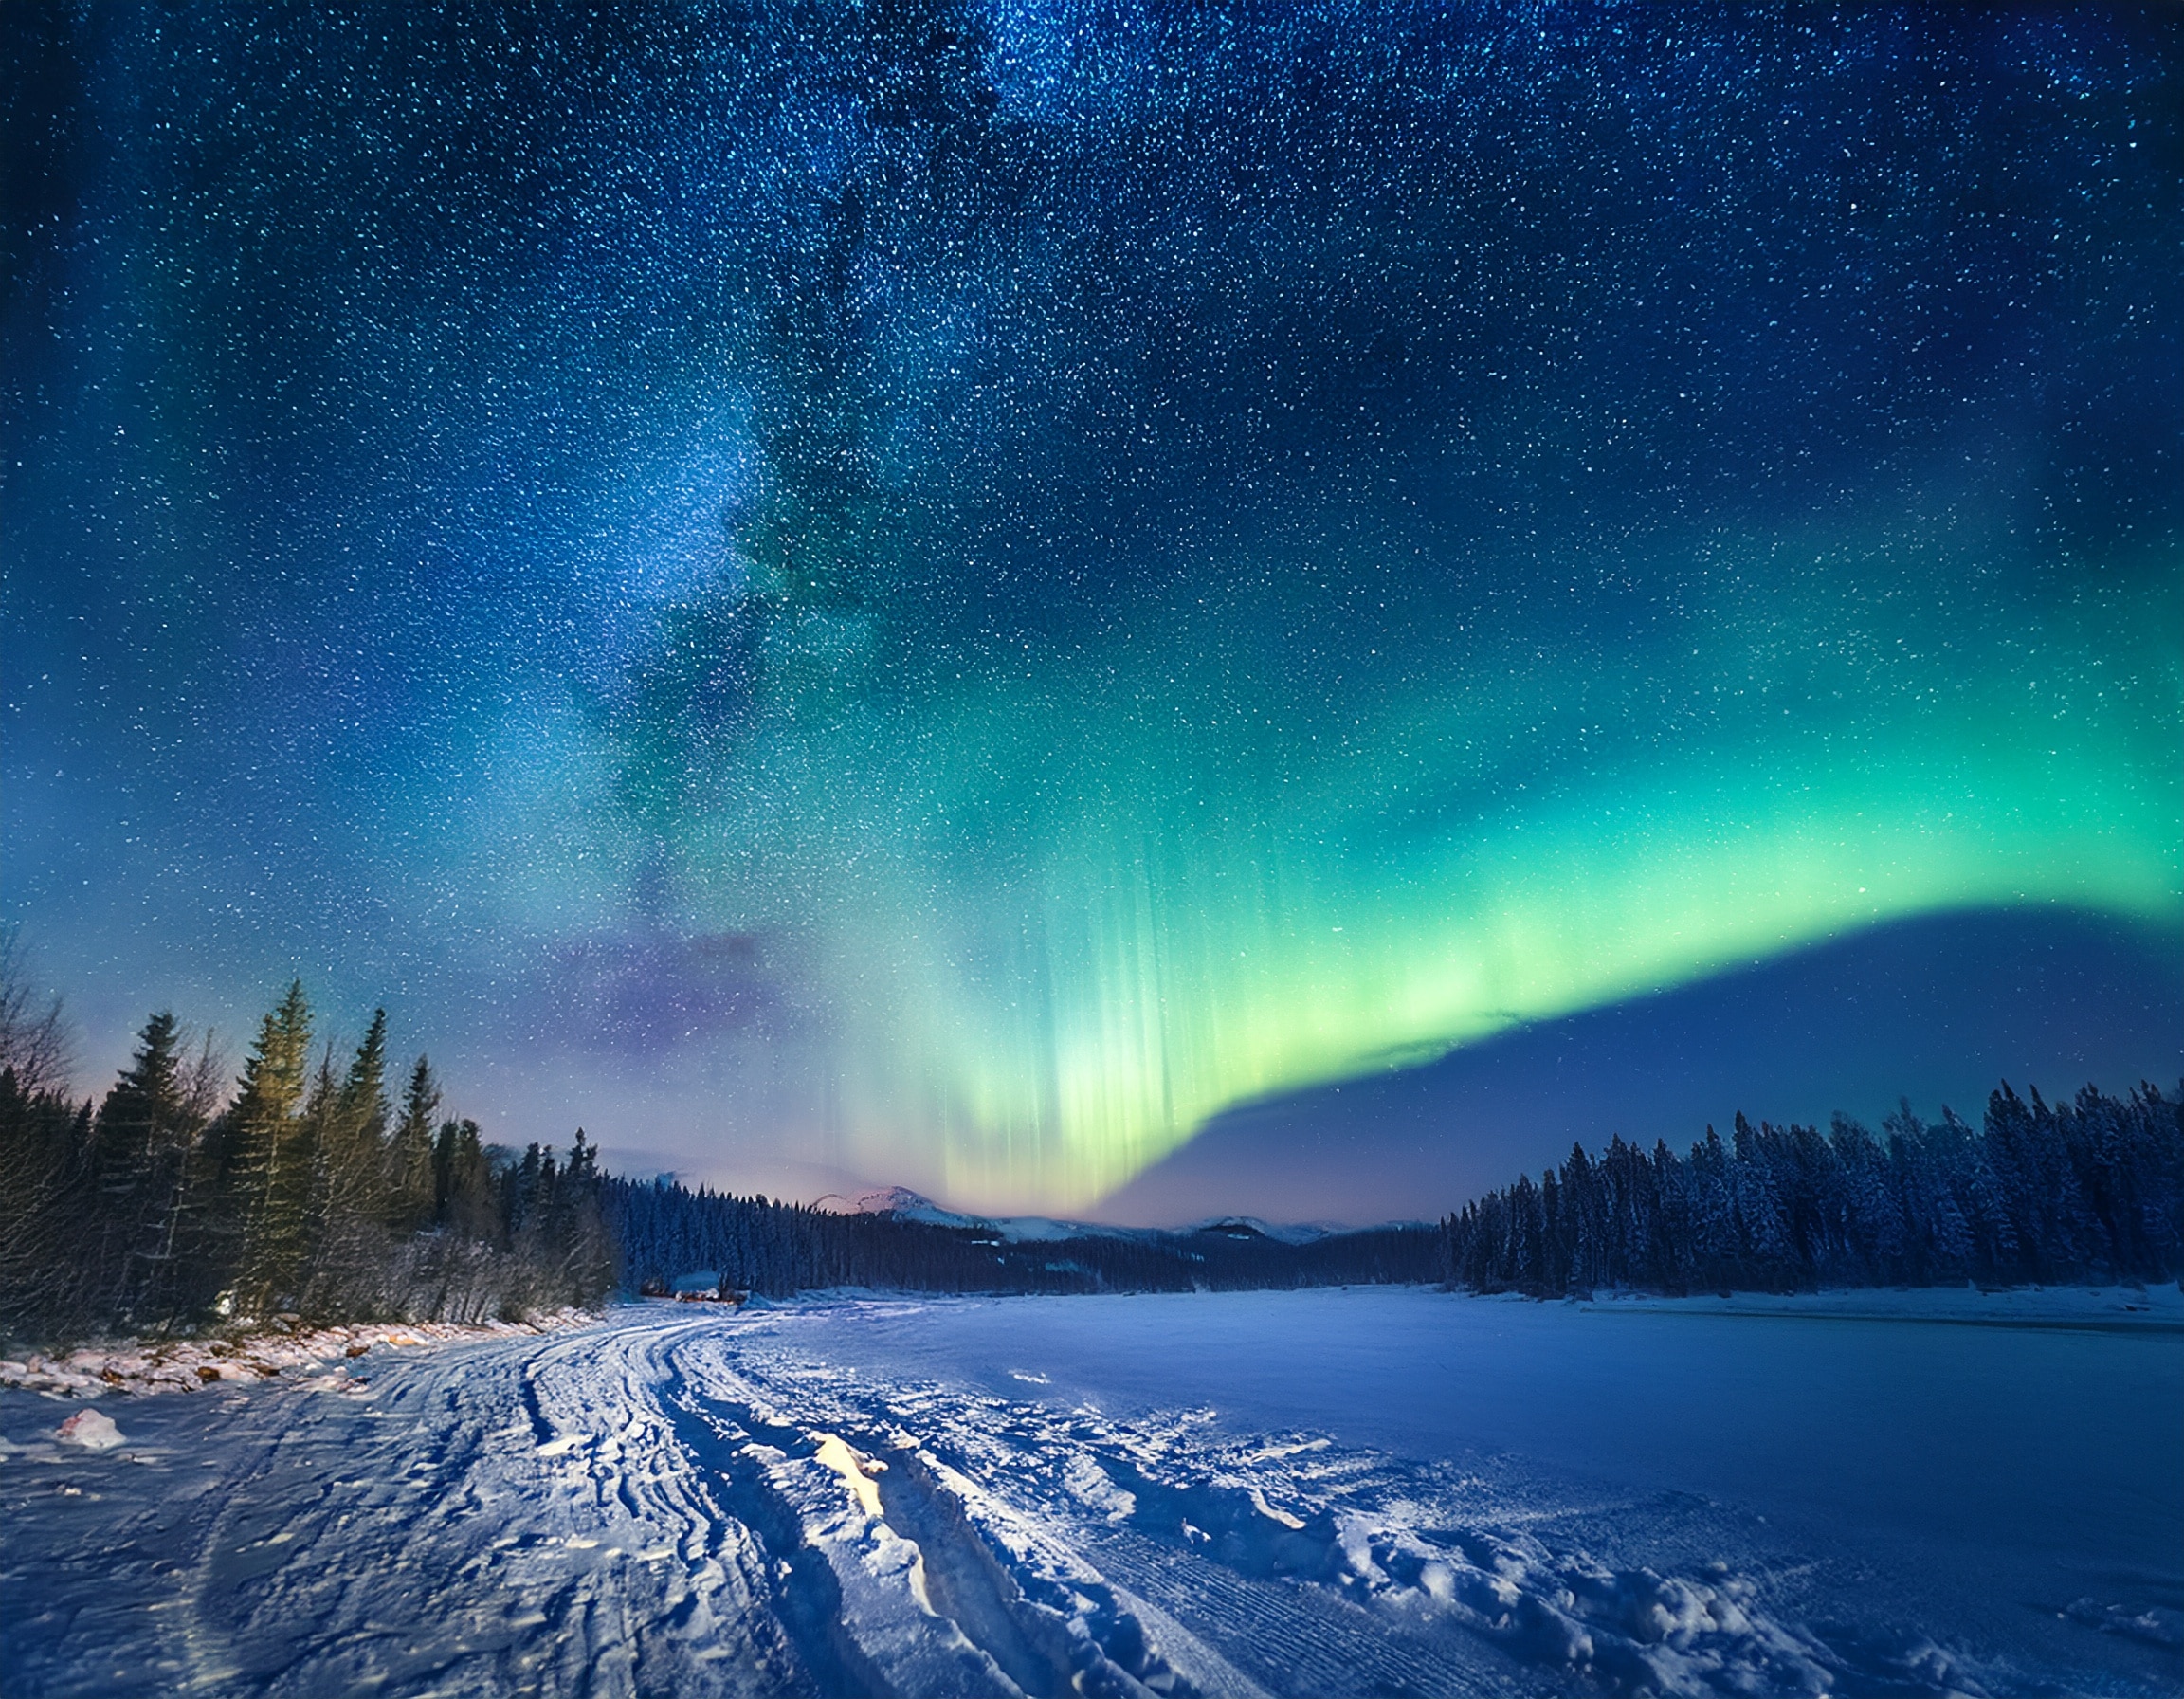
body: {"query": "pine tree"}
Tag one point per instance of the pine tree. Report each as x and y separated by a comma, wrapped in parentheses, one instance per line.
(466, 1206)
(273, 1159)
(363, 1103)
(1765, 1258)
(142, 1148)
(1873, 1227)
(44, 1155)
(409, 1186)
(352, 1157)
(1668, 1263)
(1710, 1216)
(346, 1122)
(578, 1237)
(321, 1141)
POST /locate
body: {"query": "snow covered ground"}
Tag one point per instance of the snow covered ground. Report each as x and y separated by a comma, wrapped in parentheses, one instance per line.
(1335, 1491)
(193, 1364)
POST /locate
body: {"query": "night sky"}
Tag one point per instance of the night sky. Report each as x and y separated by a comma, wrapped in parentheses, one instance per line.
(929, 595)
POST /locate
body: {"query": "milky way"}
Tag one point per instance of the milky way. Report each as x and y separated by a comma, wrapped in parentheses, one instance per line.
(939, 594)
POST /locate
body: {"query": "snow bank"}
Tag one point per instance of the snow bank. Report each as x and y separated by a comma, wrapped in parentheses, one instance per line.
(187, 1364)
(2158, 1625)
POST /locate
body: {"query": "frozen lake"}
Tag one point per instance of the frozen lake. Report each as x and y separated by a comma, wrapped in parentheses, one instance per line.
(1351, 1490)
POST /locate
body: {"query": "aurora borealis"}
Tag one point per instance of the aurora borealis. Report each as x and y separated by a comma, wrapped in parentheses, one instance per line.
(938, 594)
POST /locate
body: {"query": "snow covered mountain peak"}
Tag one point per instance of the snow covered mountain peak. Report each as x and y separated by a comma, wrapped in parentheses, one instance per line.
(893, 1201)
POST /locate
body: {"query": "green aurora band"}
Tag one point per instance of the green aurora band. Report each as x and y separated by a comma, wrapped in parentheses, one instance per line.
(1300, 818)
(936, 592)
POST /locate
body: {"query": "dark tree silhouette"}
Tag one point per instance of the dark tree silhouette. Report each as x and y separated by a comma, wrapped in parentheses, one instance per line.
(2092, 1190)
(162, 1209)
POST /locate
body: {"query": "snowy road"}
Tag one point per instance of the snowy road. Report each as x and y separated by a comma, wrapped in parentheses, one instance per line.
(1333, 1492)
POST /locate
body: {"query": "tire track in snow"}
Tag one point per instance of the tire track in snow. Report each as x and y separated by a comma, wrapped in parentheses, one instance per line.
(404, 1542)
(417, 1539)
(918, 1592)
(693, 1587)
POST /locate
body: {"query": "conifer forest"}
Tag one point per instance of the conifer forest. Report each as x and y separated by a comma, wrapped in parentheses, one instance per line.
(307, 1189)
(2047, 1194)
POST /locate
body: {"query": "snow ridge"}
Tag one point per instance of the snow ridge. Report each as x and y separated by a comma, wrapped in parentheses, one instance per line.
(931, 1585)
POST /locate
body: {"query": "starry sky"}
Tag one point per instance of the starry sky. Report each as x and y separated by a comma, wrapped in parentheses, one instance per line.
(938, 593)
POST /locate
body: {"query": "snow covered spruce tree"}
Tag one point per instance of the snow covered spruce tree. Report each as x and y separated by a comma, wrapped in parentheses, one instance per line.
(265, 1158)
(2087, 1191)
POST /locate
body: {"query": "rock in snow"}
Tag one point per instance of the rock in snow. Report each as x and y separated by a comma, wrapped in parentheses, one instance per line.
(93, 1430)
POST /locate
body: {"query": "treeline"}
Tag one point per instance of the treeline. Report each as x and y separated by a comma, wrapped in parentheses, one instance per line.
(2045, 1192)
(308, 1193)
(305, 1190)
(663, 1231)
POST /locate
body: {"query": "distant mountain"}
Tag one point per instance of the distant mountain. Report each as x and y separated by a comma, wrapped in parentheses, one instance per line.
(1251, 1227)
(900, 1203)
(891, 1201)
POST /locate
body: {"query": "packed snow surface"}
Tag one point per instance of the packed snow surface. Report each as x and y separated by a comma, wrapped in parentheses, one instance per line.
(1342, 1493)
